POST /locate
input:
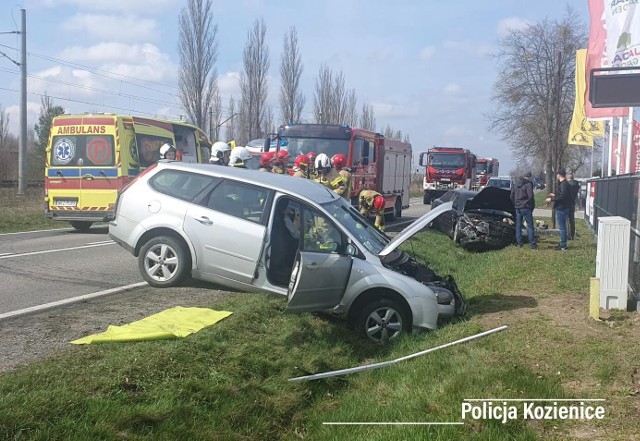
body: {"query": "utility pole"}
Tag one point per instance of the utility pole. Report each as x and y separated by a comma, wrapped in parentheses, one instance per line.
(22, 152)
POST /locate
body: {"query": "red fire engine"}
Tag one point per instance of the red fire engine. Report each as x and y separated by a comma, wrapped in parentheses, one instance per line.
(485, 169)
(375, 162)
(447, 168)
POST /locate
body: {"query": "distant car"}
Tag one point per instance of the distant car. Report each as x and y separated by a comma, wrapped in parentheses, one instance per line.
(503, 182)
(446, 222)
(483, 222)
(262, 231)
(538, 184)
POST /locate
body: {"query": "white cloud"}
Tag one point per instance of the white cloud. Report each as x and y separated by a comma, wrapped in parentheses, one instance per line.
(427, 52)
(33, 109)
(101, 27)
(452, 89)
(511, 24)
(229, 85)
(146, 6)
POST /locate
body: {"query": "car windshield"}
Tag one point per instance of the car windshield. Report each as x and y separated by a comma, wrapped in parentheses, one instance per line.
(446, 160)
(500, 183)
(481, 168)
(356, 225)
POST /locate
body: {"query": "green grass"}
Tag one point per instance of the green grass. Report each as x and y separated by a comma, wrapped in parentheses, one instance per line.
(230, 381)
(24, 212)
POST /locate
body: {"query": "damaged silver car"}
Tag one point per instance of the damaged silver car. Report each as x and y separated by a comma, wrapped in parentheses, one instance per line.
(293, 237)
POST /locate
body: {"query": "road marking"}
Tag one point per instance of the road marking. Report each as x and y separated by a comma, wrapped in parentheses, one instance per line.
(33, 253)
(4, 254)
(104, 242)
(63, 302)
(35, 231)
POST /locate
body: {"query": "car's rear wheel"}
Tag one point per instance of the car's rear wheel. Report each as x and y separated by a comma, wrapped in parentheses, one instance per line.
(426, 199)
(81, 225)
(163, 261)
(383, 320)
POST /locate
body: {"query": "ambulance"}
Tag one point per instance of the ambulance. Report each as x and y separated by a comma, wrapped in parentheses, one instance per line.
(90, 157)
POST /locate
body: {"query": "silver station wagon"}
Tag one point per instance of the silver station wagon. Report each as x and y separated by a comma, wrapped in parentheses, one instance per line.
(256, 231)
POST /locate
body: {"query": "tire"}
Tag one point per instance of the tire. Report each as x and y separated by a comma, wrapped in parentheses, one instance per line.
(163, 262)
(81, 225)
(426, 199)
(383, 320)
(398, 208)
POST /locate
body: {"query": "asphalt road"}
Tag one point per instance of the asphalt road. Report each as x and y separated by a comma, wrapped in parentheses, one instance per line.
(38, 268)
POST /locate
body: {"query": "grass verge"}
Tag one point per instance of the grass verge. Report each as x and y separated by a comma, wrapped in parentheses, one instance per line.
(24, 212)
(230, 381)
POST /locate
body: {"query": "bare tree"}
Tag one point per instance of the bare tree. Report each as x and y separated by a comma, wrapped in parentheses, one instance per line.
(339, 99)
(535, 90)
(198, 50)
(269, 126)
(4, 127)
(367, 118)
(291, 99)
(351, 114)
(253, 82)
(42, 129)
(323, 99)
(216, 115)
(231, 120)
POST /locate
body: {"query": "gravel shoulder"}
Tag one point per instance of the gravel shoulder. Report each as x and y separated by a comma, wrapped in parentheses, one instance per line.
(34, 336)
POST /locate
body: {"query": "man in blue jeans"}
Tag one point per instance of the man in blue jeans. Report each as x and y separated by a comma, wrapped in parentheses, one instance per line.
(524, 203)
(561, 203)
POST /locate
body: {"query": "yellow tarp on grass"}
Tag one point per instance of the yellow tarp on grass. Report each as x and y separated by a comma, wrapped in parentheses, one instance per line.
(171, 323)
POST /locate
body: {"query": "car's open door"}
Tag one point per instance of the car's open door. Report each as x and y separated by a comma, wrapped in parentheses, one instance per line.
(318, 281)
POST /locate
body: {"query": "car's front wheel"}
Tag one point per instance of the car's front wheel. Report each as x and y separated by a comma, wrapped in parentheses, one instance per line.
(383, 320)
(163, 261)
(81, 225)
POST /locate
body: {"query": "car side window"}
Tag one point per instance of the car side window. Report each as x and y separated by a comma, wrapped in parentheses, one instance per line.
(180, 184)
(240, 200)
(320, 234)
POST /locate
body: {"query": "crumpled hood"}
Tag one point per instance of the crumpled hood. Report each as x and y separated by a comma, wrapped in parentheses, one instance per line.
(492, 198)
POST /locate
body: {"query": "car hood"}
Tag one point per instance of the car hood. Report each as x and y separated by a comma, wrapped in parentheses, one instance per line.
(491, 198)
(415, 227)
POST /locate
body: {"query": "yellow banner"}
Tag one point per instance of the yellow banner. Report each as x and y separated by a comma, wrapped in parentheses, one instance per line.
(581, 130)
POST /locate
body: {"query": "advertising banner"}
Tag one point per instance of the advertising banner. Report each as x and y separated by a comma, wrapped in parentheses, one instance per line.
(581, 130)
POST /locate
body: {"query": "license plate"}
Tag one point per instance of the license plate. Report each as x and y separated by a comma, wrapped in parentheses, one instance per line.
(445, 180)
(66, 202)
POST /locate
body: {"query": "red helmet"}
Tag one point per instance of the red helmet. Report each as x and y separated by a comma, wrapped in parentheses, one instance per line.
(282, 156)
(302, 161)
(266, 159)
(339, 161)
(312, 156)
(378, 202)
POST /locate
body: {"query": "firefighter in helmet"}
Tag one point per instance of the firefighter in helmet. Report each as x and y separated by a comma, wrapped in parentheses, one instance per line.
(167, 151)
(280, 163)
(301, 167)
(329, 176)
(372, 201)
(312, 164)
(220, 152)
(266, 162)
(339, 162)
(239, 157)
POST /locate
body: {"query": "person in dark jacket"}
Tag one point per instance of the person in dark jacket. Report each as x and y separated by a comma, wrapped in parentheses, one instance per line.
(522, 198)
(571, 215)
(561, 203)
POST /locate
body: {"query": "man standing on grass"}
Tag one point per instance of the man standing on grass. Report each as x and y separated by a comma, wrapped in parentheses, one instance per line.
(524, 203)
(575, 191)
(562, 204)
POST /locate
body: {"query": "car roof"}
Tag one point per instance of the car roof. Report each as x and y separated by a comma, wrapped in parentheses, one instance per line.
(284, 183)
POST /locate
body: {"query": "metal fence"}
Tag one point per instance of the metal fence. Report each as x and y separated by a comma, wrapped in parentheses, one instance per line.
(618, 196)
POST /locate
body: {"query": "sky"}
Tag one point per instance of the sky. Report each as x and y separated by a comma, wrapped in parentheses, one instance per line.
(427, 67)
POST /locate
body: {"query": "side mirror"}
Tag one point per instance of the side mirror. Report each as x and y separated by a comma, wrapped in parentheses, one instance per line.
(351, 250)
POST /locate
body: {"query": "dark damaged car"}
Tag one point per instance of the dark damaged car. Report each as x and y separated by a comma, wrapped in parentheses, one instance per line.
(484, 222)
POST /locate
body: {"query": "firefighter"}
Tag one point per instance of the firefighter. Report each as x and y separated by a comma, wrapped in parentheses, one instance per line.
(301, 167)
(328, 176)
(312, 163)
(266, 162)
(239, 157)
(280, 163)
(339, 161)
(220, 152)
(167, 151)
(371, 200)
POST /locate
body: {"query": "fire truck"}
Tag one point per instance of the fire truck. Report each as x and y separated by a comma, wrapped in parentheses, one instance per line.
(485, 169)
(375, 162)
(447, 168)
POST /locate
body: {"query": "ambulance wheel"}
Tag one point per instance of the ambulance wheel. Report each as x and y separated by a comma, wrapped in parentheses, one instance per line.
(81, 225)
(163, 261)
(426, 199)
